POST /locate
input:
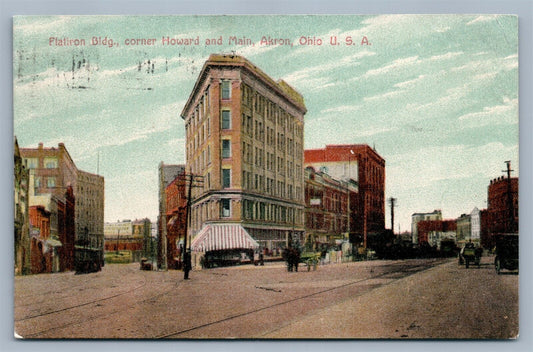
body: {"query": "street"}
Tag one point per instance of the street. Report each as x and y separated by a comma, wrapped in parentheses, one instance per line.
(416, 298)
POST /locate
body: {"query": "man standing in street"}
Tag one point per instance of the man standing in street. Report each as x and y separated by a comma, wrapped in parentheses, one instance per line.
(186, 264)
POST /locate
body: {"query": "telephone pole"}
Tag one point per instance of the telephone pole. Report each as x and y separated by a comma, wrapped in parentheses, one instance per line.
(163, 218)
(194, 181)
(510, 206)
(392, 202)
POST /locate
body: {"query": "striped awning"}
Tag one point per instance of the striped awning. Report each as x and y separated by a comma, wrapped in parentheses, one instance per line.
(222, 236)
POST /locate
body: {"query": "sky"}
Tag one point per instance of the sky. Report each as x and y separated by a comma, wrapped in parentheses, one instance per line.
(435, 95)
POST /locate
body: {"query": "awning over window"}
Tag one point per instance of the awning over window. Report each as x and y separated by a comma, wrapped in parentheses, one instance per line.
(222, 236)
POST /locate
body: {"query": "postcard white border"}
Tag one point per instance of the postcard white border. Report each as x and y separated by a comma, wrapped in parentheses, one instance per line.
(523, 8)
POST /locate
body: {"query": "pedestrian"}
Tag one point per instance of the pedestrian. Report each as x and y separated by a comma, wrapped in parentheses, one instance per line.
(296, 258)
(186, 264)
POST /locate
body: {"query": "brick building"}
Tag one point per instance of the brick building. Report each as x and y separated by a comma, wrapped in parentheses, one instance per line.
(244, 136)
(21, 214)
(503, 205)
(485, 236)
(67, 230)
(42, 248)
(327, 207)
(89, 194)
(65, 191)
(127, 236)
(433, 231)
(417, 217)
(176, 212)
(172, 211)
(363, 165)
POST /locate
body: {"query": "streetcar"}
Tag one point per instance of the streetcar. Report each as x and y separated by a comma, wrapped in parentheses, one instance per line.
(88, 253)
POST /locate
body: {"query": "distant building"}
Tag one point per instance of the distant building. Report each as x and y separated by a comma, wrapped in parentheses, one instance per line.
(503, 205)
(127, 235)
(464, 229)
(475, 225)
(244, 136)
(327, 208)
(433, 232)
(363, 165)
(176, 212)
(53, 173)
(89, 193)
(21, 216)
(417, 217)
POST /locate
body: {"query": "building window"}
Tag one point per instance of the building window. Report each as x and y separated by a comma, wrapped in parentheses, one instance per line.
(225, 210)
(32, 163)
(226, 178)
(226, 90)
(37, 182)
(51, 182)
(226, 148)
(226, 119)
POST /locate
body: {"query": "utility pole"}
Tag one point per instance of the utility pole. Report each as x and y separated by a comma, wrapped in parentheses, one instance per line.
(187, 265)
(392, 205)
(510, 206)
(163, 217)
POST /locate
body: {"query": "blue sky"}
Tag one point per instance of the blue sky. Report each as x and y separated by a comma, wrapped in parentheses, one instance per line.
(436, 95)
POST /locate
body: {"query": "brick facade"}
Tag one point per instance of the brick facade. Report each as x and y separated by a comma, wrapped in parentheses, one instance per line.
(364, 165)
(503, 205)
(327, 207)
(244, 134)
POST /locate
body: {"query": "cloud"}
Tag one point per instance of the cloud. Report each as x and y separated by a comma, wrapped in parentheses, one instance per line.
(427, 166)
(387, 95)
(410, 83)
(409, 62)
(396, 64)
(506, 113)
(38, 25)
(343, 109)
(446, 56)
(482, 18)
(318, 71)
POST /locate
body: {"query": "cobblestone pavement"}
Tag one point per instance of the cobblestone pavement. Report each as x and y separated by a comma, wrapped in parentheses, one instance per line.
(374, 299)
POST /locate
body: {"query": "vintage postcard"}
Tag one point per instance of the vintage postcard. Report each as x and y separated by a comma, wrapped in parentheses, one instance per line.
(266, 177)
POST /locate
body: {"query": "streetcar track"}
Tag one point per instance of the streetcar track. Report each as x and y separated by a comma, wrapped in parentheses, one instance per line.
(397, 269)
(82, 304)
(106, 314)
(402, 268)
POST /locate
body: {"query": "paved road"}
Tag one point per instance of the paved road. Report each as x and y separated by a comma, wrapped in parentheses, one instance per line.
(399, 299)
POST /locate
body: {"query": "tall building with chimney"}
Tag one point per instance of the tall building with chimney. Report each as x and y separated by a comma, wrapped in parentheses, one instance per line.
(244, 134)
(361, 164)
